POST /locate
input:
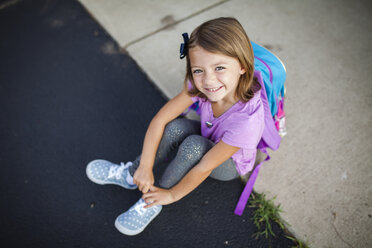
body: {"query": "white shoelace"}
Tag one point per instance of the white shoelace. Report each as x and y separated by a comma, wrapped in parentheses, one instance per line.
(139, 207)
(117, 171)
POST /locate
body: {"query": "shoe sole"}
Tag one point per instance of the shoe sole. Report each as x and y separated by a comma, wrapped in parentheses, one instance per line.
(129, 232)
(101, 182)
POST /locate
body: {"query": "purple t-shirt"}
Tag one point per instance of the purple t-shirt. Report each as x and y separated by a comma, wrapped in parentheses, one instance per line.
(241, 126)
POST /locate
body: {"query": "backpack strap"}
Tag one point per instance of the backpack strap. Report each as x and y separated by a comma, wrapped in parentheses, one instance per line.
(270, 139)
(249, 186)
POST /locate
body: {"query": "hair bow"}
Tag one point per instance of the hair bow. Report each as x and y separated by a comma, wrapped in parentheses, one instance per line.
(183, 47)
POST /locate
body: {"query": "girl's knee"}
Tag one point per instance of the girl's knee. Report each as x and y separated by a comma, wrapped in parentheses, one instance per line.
(195, 146)
(175, 127)
(182, 126)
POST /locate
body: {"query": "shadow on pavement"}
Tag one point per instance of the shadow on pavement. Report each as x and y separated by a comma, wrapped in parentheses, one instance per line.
(68, 96)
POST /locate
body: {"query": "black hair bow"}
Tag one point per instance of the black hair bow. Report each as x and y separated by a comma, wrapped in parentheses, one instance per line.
(183, 47)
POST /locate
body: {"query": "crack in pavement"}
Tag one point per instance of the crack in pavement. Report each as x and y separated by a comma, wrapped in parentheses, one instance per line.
(175, 23)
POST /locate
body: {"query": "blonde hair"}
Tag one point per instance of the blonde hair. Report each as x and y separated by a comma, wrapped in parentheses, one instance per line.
(225, 36)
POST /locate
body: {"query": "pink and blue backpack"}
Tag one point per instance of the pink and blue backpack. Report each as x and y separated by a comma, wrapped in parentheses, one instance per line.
(271, 74)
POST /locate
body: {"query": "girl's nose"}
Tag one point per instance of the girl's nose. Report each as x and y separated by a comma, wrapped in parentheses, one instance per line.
(209, 79)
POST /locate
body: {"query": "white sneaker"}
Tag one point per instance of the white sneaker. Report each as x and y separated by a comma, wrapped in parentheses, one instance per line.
(104, 172)
(135, 220)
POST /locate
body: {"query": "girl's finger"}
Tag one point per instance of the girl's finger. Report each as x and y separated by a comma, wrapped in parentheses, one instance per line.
(153, 188)
(149, 200)
(145, 189)
(151, 204)
(147, 195)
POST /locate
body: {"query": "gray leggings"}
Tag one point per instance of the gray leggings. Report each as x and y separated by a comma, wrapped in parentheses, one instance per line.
(184, 134)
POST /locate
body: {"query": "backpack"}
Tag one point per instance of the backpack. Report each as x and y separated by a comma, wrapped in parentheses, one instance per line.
(271, 74)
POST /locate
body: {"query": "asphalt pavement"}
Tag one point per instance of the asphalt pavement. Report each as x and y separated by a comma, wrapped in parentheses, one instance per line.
(68, 95)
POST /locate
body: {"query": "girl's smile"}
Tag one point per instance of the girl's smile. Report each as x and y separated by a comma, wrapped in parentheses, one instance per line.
(214, 89)
(215, 75)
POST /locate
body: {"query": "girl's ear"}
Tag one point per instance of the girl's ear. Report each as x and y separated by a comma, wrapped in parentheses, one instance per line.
(242, 70)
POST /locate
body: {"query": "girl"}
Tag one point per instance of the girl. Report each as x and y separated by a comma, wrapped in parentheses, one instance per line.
(220, 76)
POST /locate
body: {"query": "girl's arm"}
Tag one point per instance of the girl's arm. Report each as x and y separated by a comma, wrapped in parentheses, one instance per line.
(143, 176)
(211, 160)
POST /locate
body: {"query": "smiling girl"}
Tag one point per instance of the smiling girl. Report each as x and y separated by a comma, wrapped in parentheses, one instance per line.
(222, 145)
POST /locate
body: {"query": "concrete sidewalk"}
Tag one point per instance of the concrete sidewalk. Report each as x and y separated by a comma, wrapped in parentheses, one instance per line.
(322, 172)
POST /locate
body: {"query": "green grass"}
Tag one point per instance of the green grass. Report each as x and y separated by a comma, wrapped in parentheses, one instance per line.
(267, 212)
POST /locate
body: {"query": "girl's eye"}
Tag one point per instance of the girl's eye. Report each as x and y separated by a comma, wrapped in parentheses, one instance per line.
(197, 71)
(219, 68)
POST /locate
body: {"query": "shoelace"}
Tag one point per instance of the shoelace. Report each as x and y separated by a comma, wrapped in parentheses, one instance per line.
(117, 171)
(139, 207)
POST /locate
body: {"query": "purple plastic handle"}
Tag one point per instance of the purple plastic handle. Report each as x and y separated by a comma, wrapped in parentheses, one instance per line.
(239, 209)
(268, 67)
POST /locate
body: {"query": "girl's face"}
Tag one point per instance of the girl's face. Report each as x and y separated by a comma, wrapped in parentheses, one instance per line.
(215, 75)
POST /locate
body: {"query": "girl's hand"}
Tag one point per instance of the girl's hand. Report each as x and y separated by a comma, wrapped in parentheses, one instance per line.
(158, 196)
(144, 178)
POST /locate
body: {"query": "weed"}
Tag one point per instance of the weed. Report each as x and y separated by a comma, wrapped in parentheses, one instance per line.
(266, 213)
